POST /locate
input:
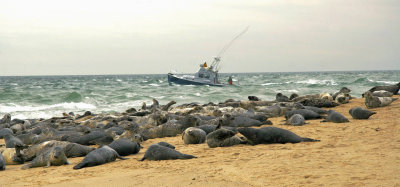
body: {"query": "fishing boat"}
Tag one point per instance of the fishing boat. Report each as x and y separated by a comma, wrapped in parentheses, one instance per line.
(207, 75)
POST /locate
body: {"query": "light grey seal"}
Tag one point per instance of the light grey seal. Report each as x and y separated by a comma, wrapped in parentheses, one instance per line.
(374, 102)
(159, 152)
(360, 113)
(269, 135)
(99, 156)
(296, 120)
(6, 119)
(382, 93)
(193, 135)
(51, 157)
(12, 156)
(335, 117)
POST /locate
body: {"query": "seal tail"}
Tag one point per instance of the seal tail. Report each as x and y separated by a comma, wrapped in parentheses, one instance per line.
(309, 140)
(80, 165)
(144, 158)
(27, 166)
(122, 158)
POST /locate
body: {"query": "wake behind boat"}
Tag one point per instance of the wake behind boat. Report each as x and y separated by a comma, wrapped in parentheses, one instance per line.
(205, 76)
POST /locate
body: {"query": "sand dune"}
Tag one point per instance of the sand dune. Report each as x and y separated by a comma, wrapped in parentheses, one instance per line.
(359, 153)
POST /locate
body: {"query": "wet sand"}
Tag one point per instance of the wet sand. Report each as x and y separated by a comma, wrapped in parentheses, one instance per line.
(358, 153)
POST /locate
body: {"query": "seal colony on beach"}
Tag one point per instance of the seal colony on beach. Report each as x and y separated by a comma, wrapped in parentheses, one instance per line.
(212, 126)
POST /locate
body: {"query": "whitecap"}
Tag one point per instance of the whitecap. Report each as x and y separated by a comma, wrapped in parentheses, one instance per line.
(314, 81)
(269, 83)
(197, 94)
(387, 82)
(153, 84)
(119, 80)
(18, 108)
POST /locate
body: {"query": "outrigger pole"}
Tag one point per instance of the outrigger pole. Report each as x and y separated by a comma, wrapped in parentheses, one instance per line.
(217, 59)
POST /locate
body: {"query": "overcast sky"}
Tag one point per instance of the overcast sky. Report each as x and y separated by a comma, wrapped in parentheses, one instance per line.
(74, 37)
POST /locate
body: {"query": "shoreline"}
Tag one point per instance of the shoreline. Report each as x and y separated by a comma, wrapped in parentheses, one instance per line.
(361, 152)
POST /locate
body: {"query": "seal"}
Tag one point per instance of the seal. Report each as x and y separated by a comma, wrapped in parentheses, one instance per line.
(391, 88)
(52, 157)
(360, 113)
(343, 98)
(382, 93)
(5, 131)
(326, 96)
(77, 150)
(342, 90)
(335, 117)
(6, 119)
(159, 152)
(125, 147)
(193, 135)
(281, 98)
(316, 109)
(269, 135)
(2, 163)
(99, 156)
(293, 95)
(374, 102)
(307, 114)
(12, 156)
(253, 98)
(166, 144)
(296, 120)
(13, 142)
(222, 137)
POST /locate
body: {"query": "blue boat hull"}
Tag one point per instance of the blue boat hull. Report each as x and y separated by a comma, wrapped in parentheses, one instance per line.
(177, 80)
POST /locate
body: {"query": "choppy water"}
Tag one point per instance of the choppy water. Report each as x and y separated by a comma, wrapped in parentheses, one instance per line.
(48, 96)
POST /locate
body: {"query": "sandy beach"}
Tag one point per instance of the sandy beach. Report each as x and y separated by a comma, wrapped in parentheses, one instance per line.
(358, 153)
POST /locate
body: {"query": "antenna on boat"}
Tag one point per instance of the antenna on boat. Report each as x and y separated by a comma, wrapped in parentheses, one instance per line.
(217, 59)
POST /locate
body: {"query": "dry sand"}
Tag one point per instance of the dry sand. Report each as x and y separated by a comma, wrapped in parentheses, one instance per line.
(359, 153)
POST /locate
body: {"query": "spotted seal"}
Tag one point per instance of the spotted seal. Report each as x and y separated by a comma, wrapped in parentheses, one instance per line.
(374, 102)
(193, 135)
(222, 137)
(12, 156)
(296, 120)
(52, 157)
(307, 114)
(281, 98)
(269, 135)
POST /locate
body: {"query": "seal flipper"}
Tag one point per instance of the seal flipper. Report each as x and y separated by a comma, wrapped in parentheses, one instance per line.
(185, 156)
(80, 165)
(144, 158)
(309, 140)
(27, 166)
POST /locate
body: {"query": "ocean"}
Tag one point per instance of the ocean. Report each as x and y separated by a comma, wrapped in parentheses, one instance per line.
(26, 97)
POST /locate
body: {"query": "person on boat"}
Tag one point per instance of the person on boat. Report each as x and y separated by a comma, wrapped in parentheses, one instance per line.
(205, 64)
(230, 80)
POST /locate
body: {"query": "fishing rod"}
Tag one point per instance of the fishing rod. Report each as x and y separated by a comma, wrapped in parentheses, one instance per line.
(225, 48)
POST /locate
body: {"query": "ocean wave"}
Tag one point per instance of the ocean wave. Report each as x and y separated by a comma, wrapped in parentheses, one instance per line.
(10, 108)
(155, 85)
(320, 82)
(73, 97)
(269, 83)
(360, 80)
